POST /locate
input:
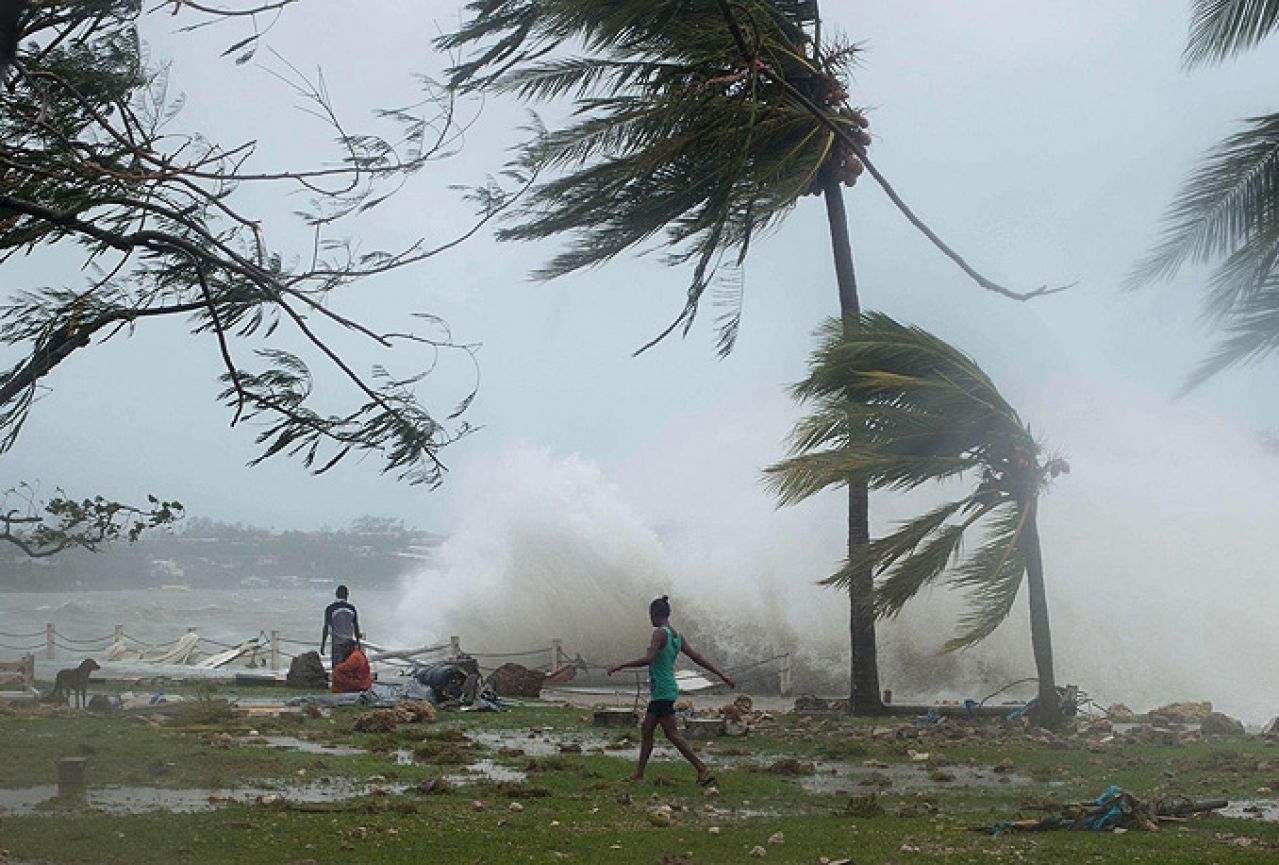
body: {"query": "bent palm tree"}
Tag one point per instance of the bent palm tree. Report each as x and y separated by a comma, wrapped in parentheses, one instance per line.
(699, 124)
(897, 408)
(1227, 212)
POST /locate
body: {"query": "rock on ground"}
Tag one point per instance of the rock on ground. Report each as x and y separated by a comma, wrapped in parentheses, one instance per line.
(1217, 724)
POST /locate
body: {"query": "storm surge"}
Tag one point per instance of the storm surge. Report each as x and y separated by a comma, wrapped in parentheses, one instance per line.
(1159, 561)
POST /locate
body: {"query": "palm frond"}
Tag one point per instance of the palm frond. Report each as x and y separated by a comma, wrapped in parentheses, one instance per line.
(1252, 333)
(1221, 29)
(673, 143)
(992, 576)
(881, 554)
(896, 407)
(1228, 209)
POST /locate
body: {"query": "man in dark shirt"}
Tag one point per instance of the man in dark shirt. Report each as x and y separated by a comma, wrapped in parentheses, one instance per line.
(341, 619)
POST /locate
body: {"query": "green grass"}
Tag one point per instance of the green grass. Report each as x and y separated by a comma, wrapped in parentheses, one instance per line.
(578, 807)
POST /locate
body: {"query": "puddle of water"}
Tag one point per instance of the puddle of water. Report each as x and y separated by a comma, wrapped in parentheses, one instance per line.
(137, 800)
(292, 743)
(840, 777)
(487, 770)
(1253, 809)
(539, 744)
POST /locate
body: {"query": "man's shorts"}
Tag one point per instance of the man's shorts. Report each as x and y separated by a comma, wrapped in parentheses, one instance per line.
(661, 708)
(342, 650)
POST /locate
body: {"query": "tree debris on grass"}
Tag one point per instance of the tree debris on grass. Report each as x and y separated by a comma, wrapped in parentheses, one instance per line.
(1114, 810)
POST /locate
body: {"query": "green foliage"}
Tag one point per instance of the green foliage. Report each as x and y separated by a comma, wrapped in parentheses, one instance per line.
(1221, 29)
(92, 168)
(1225, 214)
(896, 407)
(44, 528)
(674, 135)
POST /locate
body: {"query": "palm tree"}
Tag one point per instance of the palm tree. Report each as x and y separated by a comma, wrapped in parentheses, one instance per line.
(1227, 212)
(698, 126)
(896, 407)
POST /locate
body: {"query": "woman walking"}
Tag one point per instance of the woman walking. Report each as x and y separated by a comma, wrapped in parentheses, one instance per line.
(663, 648)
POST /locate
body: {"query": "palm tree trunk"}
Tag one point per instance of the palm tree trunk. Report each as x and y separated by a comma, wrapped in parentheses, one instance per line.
(1048, 706)
(864, 696)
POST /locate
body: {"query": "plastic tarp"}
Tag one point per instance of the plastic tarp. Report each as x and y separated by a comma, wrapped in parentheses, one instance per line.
(379, 694)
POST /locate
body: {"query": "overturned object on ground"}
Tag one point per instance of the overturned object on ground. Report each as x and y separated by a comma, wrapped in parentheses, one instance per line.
(1115, 808)
(448, 681)
(353, 674)
(512, 680)
(307, 671)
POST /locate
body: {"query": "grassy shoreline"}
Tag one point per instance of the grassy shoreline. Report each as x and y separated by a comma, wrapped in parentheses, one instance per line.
(571, 802)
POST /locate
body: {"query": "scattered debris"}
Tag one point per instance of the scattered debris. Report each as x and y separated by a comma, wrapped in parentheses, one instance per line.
(864, 806)
(1113, 810)
(1217, 724)
(513, 680)
(608, 717)
(791, 766)
(307, 671)
(389, 720)
(660, 816)
(1181, 713)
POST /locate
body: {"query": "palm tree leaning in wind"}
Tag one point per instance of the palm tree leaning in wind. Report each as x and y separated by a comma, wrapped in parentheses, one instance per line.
(896, 407)
(1228, 211)
(697, 122)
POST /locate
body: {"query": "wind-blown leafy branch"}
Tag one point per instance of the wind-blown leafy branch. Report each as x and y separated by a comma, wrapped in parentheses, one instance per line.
(90, 165)
(44, 528)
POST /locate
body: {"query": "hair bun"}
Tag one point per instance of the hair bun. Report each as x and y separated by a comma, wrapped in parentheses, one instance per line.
(666, 597)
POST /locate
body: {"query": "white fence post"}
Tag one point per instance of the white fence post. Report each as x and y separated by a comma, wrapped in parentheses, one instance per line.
(455, 648)
(50, 651)
(275, 650)
(784, 678)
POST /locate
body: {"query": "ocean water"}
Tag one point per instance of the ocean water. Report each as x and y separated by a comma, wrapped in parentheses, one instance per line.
(157, 616)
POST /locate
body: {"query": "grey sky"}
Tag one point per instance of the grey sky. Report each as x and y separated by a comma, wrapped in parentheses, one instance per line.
(1043, 140)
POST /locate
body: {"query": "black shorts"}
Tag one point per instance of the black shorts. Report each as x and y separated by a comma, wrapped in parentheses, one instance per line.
(661, 708)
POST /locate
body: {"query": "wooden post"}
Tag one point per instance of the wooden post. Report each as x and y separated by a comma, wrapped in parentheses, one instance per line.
(71, 781)
(455, 648)
(557, 653)
(275, 650)
(784, 678)
(50, 650)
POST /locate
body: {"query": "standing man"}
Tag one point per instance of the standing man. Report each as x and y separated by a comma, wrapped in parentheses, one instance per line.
(341, 618)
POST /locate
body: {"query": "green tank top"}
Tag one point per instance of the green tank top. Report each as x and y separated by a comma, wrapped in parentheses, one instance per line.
(661, 673)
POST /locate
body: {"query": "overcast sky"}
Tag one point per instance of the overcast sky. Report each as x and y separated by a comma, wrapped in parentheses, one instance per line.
(1043, 140)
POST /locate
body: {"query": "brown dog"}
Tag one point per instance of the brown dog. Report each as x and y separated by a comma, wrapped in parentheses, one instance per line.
(74, 684)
